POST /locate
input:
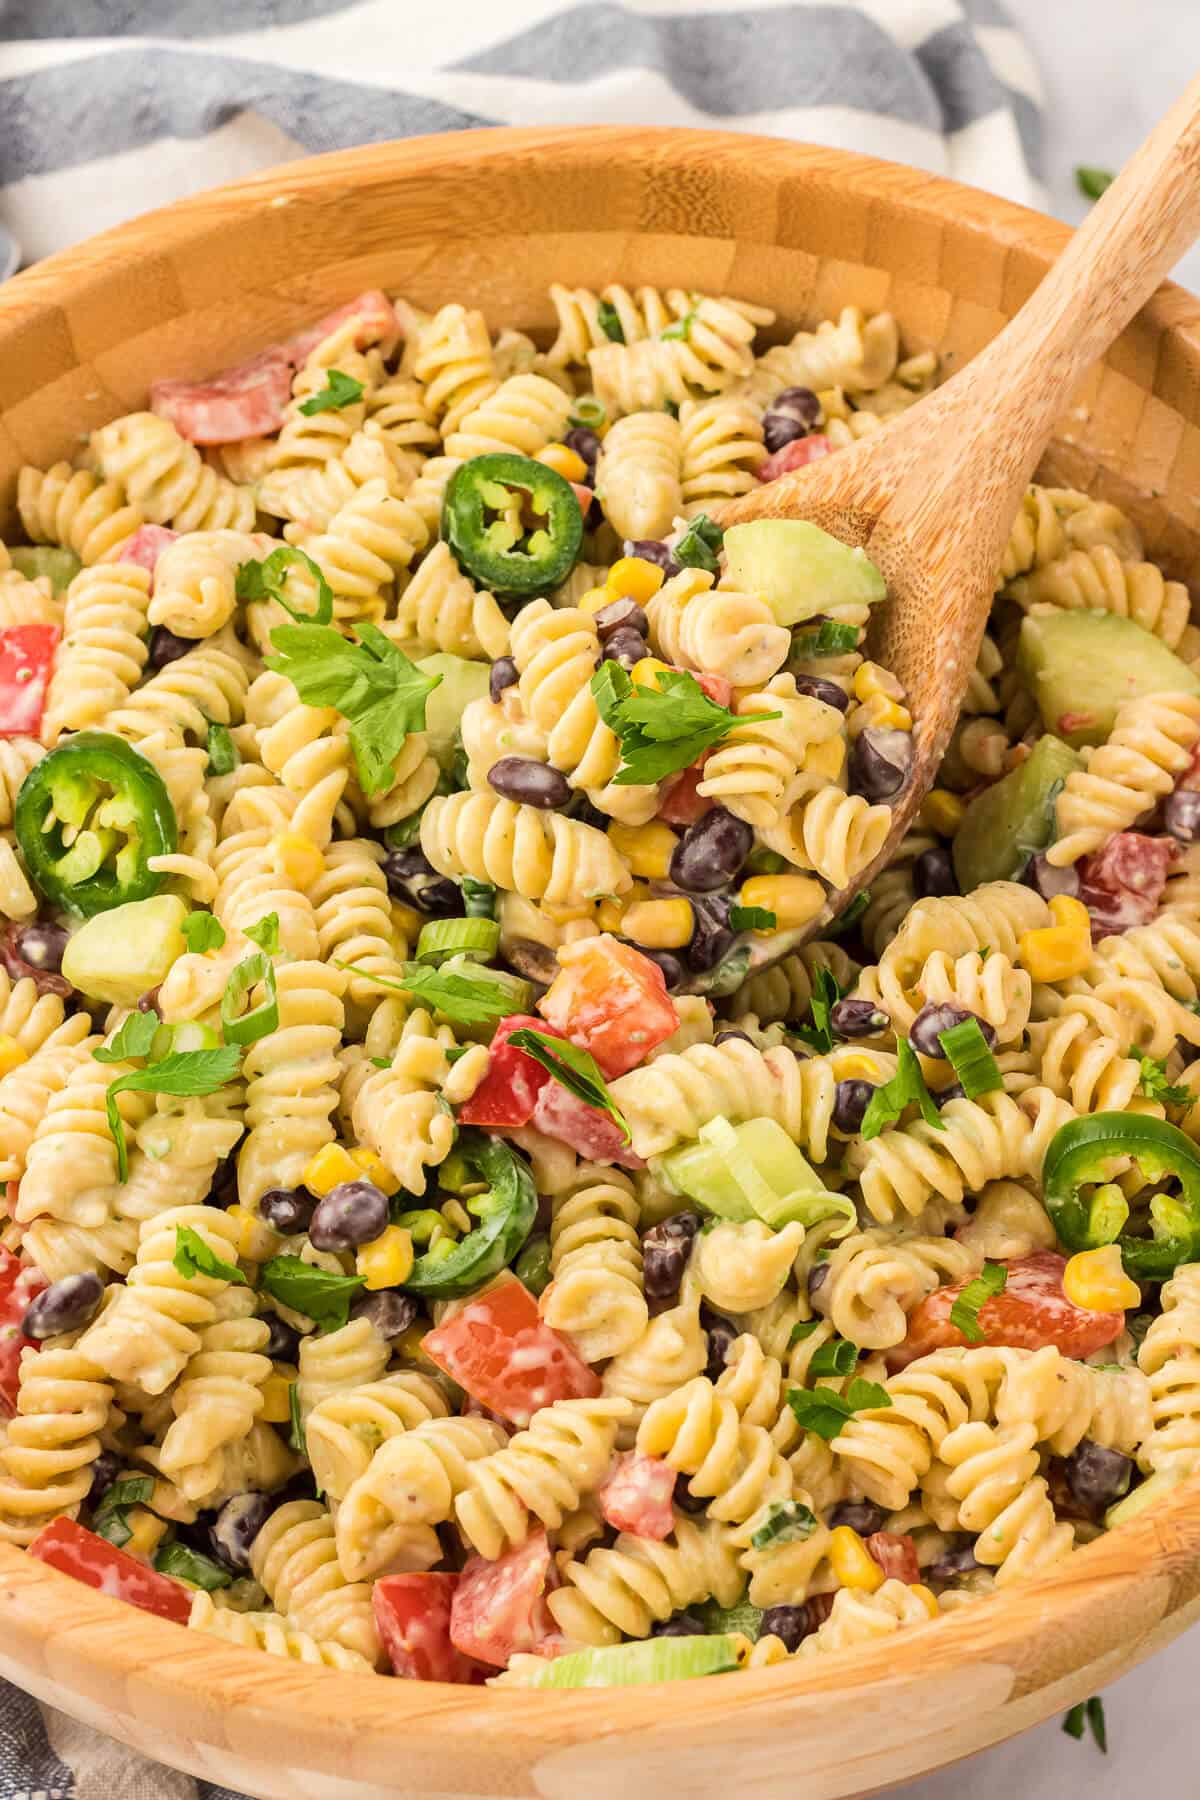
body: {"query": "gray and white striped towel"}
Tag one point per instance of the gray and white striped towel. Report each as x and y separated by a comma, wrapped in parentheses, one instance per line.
(108, 107)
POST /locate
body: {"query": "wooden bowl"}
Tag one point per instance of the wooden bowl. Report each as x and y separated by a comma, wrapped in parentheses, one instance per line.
(491, 217)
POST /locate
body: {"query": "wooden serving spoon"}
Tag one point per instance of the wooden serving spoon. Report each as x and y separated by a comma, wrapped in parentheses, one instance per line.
(933, 496)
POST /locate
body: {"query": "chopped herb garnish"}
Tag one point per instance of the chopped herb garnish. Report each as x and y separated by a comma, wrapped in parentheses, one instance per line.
(192, 1566)
(700, 545)
(296, 1437)
(203, 932)
(741, 1616)
(478, 998)
(1089, 1714)
(110, 1519)
(681, 329)
(825, 1411)
(851, 916)
(1093, 182)
(831, 638)
(223, 756)
(906, 1087)
(751, 918)
(836, 1357)
(609, 322)
(663, 728)
(374, 686)
(573, 1068)
(786, 1522)
(826, 994)
(340, 390)
(184, 1073)
(132, 1038)
(257, 969)
(967, 1052)
(479, 898)
(964, 1314)
(266, 933)
(267, 580)
(193, 1257)
(587, 414)
(803, 1330)
(317, 1293)
(1152, 1079)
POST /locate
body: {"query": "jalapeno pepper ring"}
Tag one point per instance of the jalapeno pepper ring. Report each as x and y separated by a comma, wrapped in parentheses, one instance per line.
(497, 550)
(1082, 1151)
(89, 817)
(506, 1214)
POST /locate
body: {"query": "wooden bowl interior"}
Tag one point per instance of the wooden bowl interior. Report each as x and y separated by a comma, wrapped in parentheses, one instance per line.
(491, 218)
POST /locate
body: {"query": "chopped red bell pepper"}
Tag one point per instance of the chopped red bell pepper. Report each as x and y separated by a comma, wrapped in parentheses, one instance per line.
(508, 1092)
(498, 1348)
(679, 803)
(896, 1555)
(637, 1496)
(1029, 1312)
(244, 402)
(26, 658)
(1122, 884)
(76, 1551)
(794, 456)
(499, 1608)
(591, 1133)
(611, 1000)
(412, 1613)
(20, 1283)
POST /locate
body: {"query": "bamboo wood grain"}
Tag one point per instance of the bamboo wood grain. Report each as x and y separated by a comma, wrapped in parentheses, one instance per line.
(493, 217)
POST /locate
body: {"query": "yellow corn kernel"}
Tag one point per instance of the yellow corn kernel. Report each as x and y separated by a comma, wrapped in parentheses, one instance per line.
(406, 921)
(1096, 1280)
(594, 599)
(388, 1260)
(634, 578)
(857, 1065)
(375, 1169)
(871, 679)
(647, 672)
(647, 849)
(926, 1596)
(880, 713)
(1054, 952)
(943, 811)
(826, 759)
(146, 1532)
(1071, 913)
(660, 924)
(11, 1053)
(564, 461)
(610, 913)
(794, 899)
(852, 1562)
(331, 1165)
(277, 1400)
(256, 1240)
(297, 857)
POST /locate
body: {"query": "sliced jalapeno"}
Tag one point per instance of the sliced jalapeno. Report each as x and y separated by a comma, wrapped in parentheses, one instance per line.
(505, 1212)
(1081, 1153)
(513, 524)
(89, 817)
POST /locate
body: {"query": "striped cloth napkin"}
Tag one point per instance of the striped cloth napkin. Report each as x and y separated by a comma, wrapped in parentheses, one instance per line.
(109, 107)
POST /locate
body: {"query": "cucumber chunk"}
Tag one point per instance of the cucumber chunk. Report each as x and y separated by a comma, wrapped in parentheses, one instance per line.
(751, 1171)
(1081, 666)
(799, 569)
(461, 682)
(35, 560)
(1014, 818)
(119, 954)
(634, 1665)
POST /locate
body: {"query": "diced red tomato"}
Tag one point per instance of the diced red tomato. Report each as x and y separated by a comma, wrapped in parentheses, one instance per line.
(584, 495)
(26, 656)
(896, 1555)
(379, 325)
(679, 803)
(560, 1114)
(412, 1613)
(717, 688)
(146, 546)
(508, 1092)
(239, 403)
(499, 1608)
(20, 1283)
(76, 1551)
(1122, 884)
(1030, 1312)
(794, 456)
(500, 1351)
(610, 999)
(637, 1496)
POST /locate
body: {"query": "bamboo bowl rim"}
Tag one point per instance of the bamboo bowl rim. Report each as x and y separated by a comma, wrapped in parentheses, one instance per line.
(1089, 1592)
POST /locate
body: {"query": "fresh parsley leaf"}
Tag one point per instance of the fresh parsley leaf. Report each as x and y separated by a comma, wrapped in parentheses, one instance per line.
(244, 1028)
(826, 994)
(1093, 182)
(741, 1616)
(374, 686)
(317, 1293)
(889, 1101)
(609, 322)
(572, 1068)
(700, 544)
(203, 932)
(192, 1566)
(266, 933)
(267, 580)
(223, 756)
(786, 1522)
(751, 918)
(664, 728)
(380, 1062)
(966, 1049)
(478, 998)
(185, 1073)
(831, 638)
(193, 1257)
(1089, 1714)
(825, 1411)
(964, 1314)
(1152, 1079)
(804, 1329)
(340, 390)
(133, 1038)
(681, 329)
(296, 1437)
(110, 1520)
(985, 950)
(836, 1357)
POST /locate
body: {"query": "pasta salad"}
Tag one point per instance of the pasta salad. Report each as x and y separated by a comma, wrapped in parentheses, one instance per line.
(447, 1231)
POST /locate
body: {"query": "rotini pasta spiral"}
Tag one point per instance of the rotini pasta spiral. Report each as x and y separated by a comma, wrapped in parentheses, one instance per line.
(542, 1474)
(721, 446)
(728, 1461)
(50, 1447)
(1097, 580)
(219, 1394)
(72, 507)
(753, 771)
(339, 1362)
(441, 610)
(294, 1556)
(291, 1079)
(344, 1430)
(25, 1092)
(525, 413)
(696, 626)
(103, 650)
(862, 1618)
(581, 327)
(1148, 749)
(887, 1451)
(741, 1267)
(1170, 1359)
(1003, 1499)
(540, 856)
(195, 578)
(638, 475)
(626, 1590)
(671, 1350)
(387, 1518)
(71, 1165)
(854, 353)
(166, 478)
(595, 1297)
(667, 1101)
(453, 356)
(876, 1278)
(273, 1633)
(306, 747)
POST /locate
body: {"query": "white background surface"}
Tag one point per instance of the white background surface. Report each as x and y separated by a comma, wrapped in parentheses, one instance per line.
(1110, 68)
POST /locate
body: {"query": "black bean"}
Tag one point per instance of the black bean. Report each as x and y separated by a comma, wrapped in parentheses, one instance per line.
(956, 1091)
(1047, 880)
(1181, 815)
(42, 946)
(651, 550)
(66, 1305)
(584, 443)
(283, 1345)
(411, 876)
(817, 1276)
(680, 1624)
(720, 1332)
(707, 949)
(287, 1210)
(880, 762)
(817, 688)
(730, 1037)
(47, 981)
(792, 1624)
(105, 1470)
(850, 1102)
(933, 873)
(710, 852)
(953, 1563)
(862, 1516)
(857, 1018)
(780, 428)
(532, 960)
(626, 646)
(582, 809)
(685, 1500)
(529, 782)
(1097, 1476)
(237, 1525)
(665, 1251)
(352, 1213)
(674, 972)
(167, 647)
(619, 615)
(223, 1190)
(148, 1002)
(936, 1017)
(798, 404)
(504, 675)
(389, 1311)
